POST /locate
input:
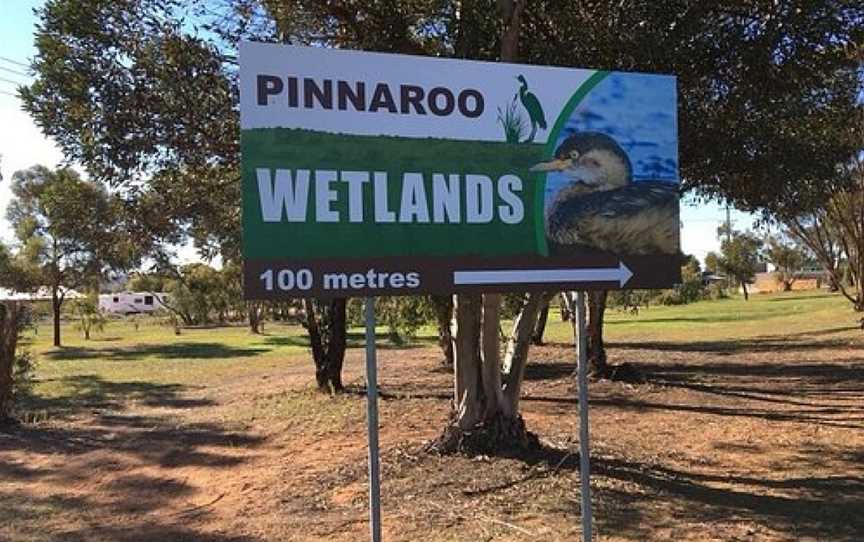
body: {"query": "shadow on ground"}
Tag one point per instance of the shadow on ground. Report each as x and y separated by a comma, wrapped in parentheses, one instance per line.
(88, 392)
(383, 341)
(181, 350)
(128, 462)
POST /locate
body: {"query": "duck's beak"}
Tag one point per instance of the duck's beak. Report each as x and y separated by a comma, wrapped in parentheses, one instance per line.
(558, 164)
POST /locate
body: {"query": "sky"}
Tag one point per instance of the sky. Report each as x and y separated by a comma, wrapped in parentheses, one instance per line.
(22, 144)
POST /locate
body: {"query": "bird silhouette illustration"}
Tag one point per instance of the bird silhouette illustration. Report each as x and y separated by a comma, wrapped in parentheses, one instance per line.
(533, 107)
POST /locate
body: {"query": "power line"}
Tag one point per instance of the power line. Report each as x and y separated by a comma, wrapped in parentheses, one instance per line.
(10, 70)
(9, 60)
(11, 81)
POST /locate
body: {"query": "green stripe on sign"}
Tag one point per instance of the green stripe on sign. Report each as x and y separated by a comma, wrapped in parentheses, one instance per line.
(306, 236)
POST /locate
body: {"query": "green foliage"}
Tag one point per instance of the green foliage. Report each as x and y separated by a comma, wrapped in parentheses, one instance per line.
(23, 372)
(69, 229)
(716, 292)
(511, 120)
(691, 289)
(148, 282)
(15, 366)
(88, 315)
(114, 91)
(740, 256)
(200, 294)
(787, 256)
(405, 315)
(512, 305)
(712, 262)
(631, 300)
(832, 232)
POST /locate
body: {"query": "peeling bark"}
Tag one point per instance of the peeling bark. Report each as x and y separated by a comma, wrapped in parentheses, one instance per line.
(516, 356)
(492, 393)
(540, 327)
(466, 369)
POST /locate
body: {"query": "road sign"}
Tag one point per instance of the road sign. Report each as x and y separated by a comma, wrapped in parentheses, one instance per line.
(369, 174)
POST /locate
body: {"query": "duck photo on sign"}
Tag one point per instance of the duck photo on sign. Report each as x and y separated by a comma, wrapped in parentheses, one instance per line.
(595, 198)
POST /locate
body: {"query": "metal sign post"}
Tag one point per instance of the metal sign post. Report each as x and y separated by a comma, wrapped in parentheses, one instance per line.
(372, 422)
(584, 461)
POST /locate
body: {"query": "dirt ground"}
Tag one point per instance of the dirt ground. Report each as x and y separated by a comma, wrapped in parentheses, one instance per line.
(748, 440)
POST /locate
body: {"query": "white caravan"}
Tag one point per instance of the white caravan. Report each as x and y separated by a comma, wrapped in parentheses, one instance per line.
(132, 302)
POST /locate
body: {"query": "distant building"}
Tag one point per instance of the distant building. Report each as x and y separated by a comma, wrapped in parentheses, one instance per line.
(42, 294)
(132, 302)
(804, 280)
(709, 277)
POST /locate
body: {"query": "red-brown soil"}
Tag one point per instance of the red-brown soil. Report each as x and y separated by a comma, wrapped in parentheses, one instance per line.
(752, 440)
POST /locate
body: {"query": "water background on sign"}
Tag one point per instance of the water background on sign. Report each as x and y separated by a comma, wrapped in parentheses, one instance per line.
(639, 112)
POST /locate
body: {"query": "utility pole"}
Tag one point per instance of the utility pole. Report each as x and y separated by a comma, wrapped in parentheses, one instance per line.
(728, 238)
(728, 224)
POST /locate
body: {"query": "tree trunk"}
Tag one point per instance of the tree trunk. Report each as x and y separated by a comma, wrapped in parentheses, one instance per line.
(516, 356)
(466, 368)
(10, 325)
(744, 289)
(491, 342)
(255, 312)
(597, 364)
(55, 308)
(484, 420)
(511, 13)
(444, 316)
(540, 328)
(565, 306)
(327, 338)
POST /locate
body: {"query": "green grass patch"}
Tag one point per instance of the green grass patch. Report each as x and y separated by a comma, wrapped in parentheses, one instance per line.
(727, 319)
(152, 366)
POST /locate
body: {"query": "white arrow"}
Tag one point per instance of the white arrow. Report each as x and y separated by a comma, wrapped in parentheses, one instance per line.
(620, 274)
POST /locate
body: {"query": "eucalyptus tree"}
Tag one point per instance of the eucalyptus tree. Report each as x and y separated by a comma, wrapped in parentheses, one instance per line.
(753, 79)
(14, 317)
(787, 254)
(146, 102)
(740, 255)
(68, 228)
(833, 231)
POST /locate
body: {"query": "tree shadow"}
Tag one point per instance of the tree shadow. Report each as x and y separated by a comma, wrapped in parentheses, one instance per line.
(82, 392)
(548, 370)
(355, 339)
(127, 510)
(822, 507)
(726, 346)
(783, 298)
(89, 441)
(837, 385)
(181, 350)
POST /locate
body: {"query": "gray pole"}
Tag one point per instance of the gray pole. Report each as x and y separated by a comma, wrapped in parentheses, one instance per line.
(372, 421)
(584, 463)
